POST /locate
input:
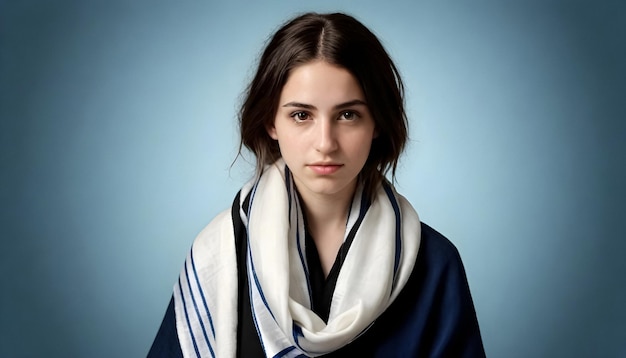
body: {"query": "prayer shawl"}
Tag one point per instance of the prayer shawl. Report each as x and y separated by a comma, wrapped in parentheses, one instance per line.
(384, 238)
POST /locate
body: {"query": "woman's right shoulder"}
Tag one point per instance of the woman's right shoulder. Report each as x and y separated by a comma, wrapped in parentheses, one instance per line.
(218, 232)
(219, 235)
(221, 219)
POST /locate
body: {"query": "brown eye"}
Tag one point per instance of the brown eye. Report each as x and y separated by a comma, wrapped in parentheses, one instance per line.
(349, 115)
(300, 116)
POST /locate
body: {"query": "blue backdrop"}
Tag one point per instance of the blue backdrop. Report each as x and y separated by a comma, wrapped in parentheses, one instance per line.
(118, 130)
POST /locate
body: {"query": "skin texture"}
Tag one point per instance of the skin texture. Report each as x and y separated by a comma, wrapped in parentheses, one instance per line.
(324, 130)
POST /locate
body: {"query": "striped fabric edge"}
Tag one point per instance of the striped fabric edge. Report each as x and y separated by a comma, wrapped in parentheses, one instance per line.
(396, 208)
(285, 348)
(300, 233)
(199, 322)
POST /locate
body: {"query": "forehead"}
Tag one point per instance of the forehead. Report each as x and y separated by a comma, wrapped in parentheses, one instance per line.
(321, 83)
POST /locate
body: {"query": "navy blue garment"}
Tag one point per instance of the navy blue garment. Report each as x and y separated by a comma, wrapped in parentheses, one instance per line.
(433, 316)
(166, 342)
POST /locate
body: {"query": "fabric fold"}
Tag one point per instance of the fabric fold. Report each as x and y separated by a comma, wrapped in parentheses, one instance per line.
(383, 237)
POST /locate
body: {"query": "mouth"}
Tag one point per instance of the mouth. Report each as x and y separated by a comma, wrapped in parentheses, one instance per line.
(324, 168)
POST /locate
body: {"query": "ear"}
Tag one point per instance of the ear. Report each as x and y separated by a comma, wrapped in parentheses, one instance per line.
(375, 135)
(271, 130)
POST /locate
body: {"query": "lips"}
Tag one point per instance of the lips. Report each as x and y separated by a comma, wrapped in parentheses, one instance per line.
(324, 168)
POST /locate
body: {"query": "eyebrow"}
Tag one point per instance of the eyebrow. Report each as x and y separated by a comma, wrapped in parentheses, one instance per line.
(354, 102)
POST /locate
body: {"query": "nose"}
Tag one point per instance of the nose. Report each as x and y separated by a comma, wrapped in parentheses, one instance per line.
(326, 141)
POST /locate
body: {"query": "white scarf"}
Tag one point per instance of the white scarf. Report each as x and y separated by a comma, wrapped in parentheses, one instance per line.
(376, 267)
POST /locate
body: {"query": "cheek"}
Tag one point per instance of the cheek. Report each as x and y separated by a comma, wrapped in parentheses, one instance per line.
(365, 151)
(362, 142)
(288, 145)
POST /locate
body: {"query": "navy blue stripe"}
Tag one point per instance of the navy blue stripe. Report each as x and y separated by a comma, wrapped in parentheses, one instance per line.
(249, 256)
(296, 332)
(302, 258)
(365, 205)
(193, 338)
(288, 184)
(254, 275)
(195, 306)
(206, 306)
(252, 194)
(293, 198)
(258, 285)
(284, 352)
(256, 323)
(396, 209)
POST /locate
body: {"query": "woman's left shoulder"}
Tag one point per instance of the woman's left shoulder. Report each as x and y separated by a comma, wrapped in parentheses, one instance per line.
(435, 244)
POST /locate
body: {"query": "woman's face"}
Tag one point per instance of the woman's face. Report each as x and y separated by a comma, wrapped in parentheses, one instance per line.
(324, 129)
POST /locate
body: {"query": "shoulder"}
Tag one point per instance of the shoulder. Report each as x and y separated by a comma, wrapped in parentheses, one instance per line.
(216, 224)
(433, 246)
(217, 234)
(438, 270)
(436, 248)
(433, 316)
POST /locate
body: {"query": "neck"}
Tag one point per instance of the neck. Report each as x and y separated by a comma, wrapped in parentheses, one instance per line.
(326, 217)
(324, 213)
(326, 210)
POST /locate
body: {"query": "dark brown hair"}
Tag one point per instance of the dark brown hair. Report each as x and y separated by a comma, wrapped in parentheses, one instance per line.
(340, 40)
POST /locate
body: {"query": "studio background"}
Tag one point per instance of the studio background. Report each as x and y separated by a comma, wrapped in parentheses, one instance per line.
(118, 129)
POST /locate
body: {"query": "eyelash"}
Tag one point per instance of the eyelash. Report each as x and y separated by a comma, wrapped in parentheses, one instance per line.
(297, 116)
(354, 115)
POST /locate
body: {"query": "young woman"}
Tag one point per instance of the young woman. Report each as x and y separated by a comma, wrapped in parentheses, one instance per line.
(319, 256)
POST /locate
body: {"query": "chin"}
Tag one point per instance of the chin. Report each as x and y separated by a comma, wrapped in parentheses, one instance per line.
(327, 188)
